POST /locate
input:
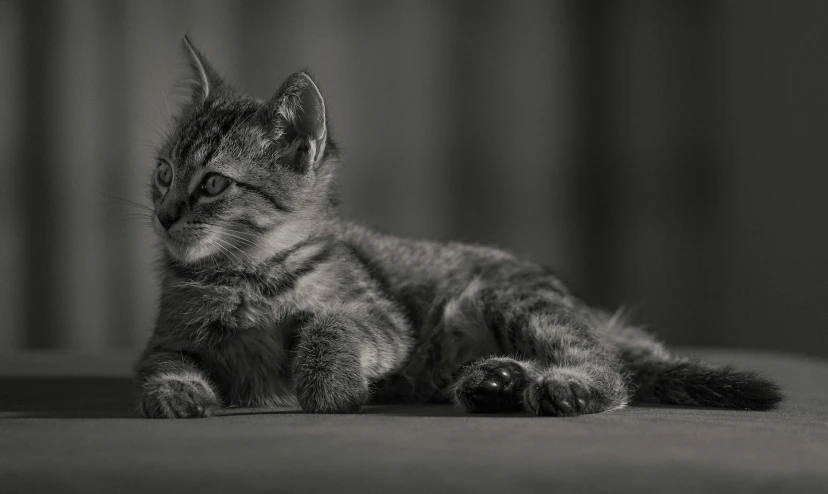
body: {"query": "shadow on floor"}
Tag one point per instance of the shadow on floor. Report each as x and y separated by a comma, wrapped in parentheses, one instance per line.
(112, 397)
(66, 397)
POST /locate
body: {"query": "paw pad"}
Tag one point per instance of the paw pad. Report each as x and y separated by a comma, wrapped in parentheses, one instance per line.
(560, 398)
(498, 381)
(491, 387)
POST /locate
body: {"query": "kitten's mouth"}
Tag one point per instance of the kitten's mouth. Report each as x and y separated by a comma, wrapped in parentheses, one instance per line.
(184, 247)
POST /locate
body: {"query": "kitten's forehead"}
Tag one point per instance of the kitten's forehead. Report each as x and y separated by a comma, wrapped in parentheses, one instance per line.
(205, 131)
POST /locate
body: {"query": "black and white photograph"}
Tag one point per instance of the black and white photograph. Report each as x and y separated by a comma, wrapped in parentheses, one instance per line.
(413, 246)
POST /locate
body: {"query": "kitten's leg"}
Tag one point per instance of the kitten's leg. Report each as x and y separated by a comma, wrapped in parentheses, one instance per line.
(578, 373)
(172, 385)
(565, 368)
(327, 369)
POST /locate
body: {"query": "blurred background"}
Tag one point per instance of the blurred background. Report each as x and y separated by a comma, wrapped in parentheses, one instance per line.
(667, 155)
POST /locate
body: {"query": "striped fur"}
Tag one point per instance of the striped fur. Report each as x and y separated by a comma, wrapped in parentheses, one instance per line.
(269, 299)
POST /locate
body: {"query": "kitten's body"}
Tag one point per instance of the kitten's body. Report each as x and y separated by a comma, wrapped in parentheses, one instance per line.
(268, 299)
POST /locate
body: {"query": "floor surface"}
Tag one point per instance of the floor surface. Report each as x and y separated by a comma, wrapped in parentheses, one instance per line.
(67, 425)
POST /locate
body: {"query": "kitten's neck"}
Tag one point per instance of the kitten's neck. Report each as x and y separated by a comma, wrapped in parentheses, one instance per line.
(285, 237)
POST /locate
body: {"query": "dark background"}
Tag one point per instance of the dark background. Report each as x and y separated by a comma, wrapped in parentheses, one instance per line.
(668, 155)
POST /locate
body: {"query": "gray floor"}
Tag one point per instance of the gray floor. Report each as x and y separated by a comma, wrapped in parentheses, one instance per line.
(77, 434)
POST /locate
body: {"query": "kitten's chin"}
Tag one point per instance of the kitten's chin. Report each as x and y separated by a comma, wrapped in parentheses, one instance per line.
(188, 253)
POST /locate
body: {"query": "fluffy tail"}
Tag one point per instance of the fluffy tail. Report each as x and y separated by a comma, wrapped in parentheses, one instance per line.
(688, 382)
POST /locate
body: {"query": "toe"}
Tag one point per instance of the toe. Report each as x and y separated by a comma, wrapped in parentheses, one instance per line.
(490, 386)
(557, 399)
(502, 374)
(562, 402)
(547, 408)
(581, 395)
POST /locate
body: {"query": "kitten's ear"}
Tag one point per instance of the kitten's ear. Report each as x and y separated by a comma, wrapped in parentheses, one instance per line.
(205, 81)
(297, 112)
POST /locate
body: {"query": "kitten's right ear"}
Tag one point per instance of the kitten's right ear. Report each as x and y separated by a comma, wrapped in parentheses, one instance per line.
(205, 81)
(297, 113)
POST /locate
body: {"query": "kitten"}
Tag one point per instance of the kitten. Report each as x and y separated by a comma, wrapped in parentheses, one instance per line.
(269, 300)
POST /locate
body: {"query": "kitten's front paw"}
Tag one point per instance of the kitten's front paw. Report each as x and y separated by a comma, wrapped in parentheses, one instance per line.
(319, 391)
(327, 370)
(560, 394)
(177, 396)
(330, 401)
(491, 385)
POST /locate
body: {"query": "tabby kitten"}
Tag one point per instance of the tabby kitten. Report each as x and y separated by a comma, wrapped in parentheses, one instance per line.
(269, 300)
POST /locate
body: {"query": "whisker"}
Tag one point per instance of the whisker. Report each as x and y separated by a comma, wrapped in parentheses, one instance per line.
(242, 240)
(139, 216)
(127, 202)
(234, 230)
(235, 234)
(163, 118)
(220, 244)
(236, 248)
(159, 131)
(167, 103)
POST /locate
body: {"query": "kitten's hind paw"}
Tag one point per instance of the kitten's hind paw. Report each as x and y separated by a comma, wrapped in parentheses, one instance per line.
(491, 385)
(181, 395)
(560, 394)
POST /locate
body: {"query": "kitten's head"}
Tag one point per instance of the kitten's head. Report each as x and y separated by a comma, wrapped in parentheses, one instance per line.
(239, 178)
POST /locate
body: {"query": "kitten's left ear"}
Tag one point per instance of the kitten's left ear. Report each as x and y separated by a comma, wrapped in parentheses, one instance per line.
(297, 111)
(206, 81)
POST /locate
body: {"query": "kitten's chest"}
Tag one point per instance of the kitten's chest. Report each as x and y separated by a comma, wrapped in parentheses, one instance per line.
(252, 367)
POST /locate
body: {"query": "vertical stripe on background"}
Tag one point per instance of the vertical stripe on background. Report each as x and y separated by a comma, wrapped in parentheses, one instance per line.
(115, 179)
(509, 169)
(12, 220)
(532, 138)
(595, 168)
(773, 78)
(78, 237)
(476, 108)
(401, 137)
(664, 162)
(39, 185)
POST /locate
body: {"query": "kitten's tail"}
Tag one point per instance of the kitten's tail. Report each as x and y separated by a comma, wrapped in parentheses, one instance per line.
(688, 382)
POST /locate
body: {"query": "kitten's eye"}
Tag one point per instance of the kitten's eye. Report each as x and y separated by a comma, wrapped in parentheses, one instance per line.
(164, 174)
(214, 184)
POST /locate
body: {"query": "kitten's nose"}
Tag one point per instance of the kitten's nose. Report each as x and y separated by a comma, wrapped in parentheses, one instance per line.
(169, 215)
